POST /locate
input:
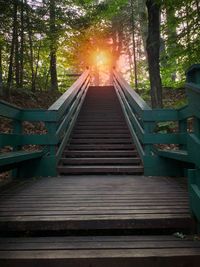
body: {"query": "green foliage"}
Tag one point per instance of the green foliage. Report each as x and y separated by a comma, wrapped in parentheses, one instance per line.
(83, 25)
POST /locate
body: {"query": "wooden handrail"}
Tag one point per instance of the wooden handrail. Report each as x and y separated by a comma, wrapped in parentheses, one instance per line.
(65, 100)
(138, 101)
(58, 119)
(143, 123)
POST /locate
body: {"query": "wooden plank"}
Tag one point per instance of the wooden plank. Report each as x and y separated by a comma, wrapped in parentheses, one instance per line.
(100, 141)
(82, 169)
(101, 146)
(100, 161)
(18, 156)
(181, 155)
(96, 202)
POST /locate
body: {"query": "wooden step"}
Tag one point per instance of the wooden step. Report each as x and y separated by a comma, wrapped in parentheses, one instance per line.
(101, 147)
(98, 251)
(99, 153)
(100, 119)
(100, 141)
(102, 124)
(95, 202)
(100, 135)
(70, 169)
(99, 131)
(111, 129)
(89, 161)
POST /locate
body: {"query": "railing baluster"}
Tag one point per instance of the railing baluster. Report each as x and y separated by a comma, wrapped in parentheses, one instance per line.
(182, 125)
(17, 129)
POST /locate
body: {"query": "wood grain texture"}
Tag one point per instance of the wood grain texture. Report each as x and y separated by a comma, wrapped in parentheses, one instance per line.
(95, 202)
(97, 251)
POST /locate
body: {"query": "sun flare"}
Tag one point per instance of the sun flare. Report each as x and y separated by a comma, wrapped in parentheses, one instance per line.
(101, 58)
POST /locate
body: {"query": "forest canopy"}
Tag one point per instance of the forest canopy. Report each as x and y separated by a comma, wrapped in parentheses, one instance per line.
(44, 44)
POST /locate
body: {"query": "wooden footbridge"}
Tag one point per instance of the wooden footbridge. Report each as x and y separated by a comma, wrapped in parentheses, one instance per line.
(100, 190)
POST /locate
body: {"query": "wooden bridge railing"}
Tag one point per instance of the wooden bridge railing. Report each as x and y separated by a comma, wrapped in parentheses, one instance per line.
(58, 121)
(181, 159)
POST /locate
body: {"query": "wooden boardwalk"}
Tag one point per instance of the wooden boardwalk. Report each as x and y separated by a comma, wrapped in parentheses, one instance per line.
(95, 202)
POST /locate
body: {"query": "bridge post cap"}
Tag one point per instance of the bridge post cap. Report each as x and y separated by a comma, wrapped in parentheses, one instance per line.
(193, 74)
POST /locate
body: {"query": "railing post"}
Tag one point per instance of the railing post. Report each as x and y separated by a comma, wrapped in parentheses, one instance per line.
(148, 128)
(17, 129)
(182, 125)
(48, 162)
(196, 128)
(193, 92)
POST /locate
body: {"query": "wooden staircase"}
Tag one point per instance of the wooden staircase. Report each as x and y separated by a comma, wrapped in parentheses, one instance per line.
(100, 142)
(122, 219)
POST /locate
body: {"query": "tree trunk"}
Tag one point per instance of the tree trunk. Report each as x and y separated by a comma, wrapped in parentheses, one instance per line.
(198, 9)
(22, 46)
(142, 14)
(17, 65)
(153, 52)
(53, 47)
(134, 47)
(29, 28)
(1, 75)
(12, 49)
(37, 63)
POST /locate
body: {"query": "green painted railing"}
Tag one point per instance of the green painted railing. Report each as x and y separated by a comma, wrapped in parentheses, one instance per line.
(144, 126)
(58, 120)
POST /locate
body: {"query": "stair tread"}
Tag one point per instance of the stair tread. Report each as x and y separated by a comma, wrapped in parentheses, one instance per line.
(99, 166)
(106, 158)
(100, 141)
(102, 161)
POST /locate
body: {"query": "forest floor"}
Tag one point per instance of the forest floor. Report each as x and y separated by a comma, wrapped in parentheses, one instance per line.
(43, 100)
(28, 99)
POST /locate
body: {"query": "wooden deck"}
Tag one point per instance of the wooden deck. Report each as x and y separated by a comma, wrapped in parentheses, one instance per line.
(95, 202)
(120, 251)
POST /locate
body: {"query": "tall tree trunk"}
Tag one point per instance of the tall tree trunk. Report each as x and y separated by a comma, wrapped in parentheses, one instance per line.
(10, 68)
(167, 53)
(134, 47)
(29, 28)
(153, 52)
(142, 14)
(198, 9)
(22, 46)
(46, 80)
(188, 30)
(53, 47)
(131, 65)
(37, 63)
(17, 65)
(1, 72)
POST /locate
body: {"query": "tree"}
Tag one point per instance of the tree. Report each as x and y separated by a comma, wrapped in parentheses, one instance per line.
(12, 49)
(1, 71)
(153, 52)
(134, 47)
(22, 45)
(53, 46)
